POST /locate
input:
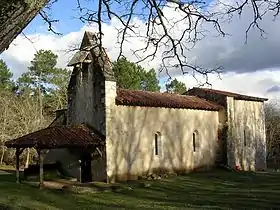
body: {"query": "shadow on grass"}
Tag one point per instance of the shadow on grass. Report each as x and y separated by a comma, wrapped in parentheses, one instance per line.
(208, 190)
(23, 196)
(217, 189)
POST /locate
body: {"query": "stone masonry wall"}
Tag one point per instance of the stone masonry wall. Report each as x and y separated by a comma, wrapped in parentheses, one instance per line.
(87, 104)
(131, 140)
(247, 141)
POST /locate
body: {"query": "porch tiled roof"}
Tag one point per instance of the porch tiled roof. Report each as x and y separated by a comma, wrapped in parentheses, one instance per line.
(60, 137)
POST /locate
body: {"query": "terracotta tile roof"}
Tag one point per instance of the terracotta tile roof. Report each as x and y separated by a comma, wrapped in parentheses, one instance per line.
(60, 137)
(157, 99)
(237, 96)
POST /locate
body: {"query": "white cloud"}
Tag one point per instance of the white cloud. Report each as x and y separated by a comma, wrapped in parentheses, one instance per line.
(22, 50)
(256, 63)
(255, 84)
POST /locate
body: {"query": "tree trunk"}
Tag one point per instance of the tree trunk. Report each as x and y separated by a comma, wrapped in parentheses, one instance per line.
(2, 155)
(4, 132)
(40, 102)
(27, 158)
(15, 15)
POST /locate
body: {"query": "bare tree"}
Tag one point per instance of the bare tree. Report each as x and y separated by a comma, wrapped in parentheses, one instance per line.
(191, 24)
(19, 115)
(5, 113)
(272, 117)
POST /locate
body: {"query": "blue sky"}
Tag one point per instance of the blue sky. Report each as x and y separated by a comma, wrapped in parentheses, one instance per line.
(68, 21)
(251, 69)
(66, 12)
(63, 10)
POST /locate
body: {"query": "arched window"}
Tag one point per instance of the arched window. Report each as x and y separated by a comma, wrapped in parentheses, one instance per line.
(158, 144)
(195, 138)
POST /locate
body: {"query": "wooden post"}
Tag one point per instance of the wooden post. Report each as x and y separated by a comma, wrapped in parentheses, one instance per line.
(80, 171)
(18, 152)
(17, 164)
(41, 157)
(41, 162)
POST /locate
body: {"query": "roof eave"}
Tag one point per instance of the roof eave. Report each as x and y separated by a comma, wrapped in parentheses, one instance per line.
(226, 94)
(122, 103)
(246, 98)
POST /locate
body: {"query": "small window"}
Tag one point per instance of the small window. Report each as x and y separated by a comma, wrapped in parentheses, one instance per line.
(195, 138)
(245, 138)
(158, 144)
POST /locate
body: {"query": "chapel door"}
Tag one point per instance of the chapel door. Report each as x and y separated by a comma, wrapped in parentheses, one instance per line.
(86, 173)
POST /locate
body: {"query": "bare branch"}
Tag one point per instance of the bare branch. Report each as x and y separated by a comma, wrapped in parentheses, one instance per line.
(171, 39)
(49, 21)
(32, 43)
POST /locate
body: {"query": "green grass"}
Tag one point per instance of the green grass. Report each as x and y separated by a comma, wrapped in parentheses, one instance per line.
(208, 190)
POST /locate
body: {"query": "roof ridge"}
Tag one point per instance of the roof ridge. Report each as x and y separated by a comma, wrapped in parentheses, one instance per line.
(160, 99)
(238, 96)
(154, 92)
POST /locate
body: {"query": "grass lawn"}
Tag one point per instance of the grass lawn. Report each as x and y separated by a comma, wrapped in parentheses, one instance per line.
(208, 190)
